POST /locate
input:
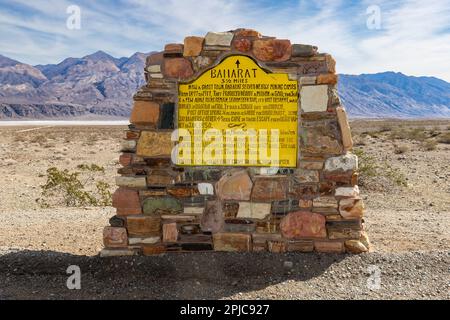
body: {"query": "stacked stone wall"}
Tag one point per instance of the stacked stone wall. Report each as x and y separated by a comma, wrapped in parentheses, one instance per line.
(163, 207)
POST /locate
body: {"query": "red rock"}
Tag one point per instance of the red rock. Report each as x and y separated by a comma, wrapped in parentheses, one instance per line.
(270, 189)
(232, 242)
(155, 58)
(193, 46)
(132, 135)
(173, 48)
(145, 113)
(179, 68)
(272, 50)
(234, 185)
(242, 44)
(331, 63)
(149, 250)
(302, 224)
(115, 237)
(170, 232)
(125, 159)
(126, 201)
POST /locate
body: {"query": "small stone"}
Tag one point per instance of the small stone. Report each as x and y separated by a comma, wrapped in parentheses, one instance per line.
(161, 205)
(154, 144)
(126, 201)
(178, 68)
(253, 210)
(331, 63)
(242, 45)
(128, 145)
(306, 176)
(170, 232)
(155, 58)
(311, 165)
(230, 209)
(303, 50)
(144, 226)
(205, 188)
(276, 246)
(173, 49)
(156, 75)
(125, 159)
(131, 182)
(351, 208)
(147, 240)
(329, 247)
(347, 139)
(307, 80)
(347, 192)
(269, 188)
(272, 50)
(327, 78)
(365, 240)
(314, 98)
(117, 221)
(247, 33)
(218, 38)
(288, 264)
(300, 246)
(193, 46)
(240, 242)
(105, 253)
(325, 202)
(355, 246)
(303, 224)
(234, 185)
(149, 250)
(145, 113)
(212, 219)
(344, 163)
(154, 68)
(115, 237)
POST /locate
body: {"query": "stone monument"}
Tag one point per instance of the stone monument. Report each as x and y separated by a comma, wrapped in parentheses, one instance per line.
(238, 142)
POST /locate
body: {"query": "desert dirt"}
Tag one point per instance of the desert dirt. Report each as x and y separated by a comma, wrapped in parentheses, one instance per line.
(407, 220)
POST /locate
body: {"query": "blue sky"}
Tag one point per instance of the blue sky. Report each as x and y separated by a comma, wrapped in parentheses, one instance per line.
(413, 35)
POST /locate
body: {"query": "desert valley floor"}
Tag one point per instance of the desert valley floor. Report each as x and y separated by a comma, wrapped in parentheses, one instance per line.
(407, 219)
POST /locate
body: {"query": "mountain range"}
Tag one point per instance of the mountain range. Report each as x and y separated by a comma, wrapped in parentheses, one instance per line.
(99, 86)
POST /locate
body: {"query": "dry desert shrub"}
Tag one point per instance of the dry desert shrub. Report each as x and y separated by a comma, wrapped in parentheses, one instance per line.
(401, 149)
(444, 138)
(429, 145)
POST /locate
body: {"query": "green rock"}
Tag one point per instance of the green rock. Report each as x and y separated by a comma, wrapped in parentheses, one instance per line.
(162, 205)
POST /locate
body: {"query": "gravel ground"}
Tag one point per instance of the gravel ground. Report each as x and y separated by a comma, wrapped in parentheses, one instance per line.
(408, 227)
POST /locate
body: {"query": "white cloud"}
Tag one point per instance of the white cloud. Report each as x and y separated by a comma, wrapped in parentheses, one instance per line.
(414, 39)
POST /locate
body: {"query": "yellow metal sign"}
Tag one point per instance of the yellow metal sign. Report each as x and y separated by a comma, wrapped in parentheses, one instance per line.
(237, 114)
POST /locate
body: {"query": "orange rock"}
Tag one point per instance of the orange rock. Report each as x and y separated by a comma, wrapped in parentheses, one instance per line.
(234, 185)
(193, 46)
(232, 242)
(144, 226)
(155, 58)
(351, 208)
(346, 134)
(327, 78)
(149, 250)
(270, 189)
(302, 224)
(145, 113)
(272, 50)
(179, 68)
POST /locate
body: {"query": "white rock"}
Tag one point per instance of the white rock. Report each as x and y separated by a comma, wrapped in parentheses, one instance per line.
(347, 192)
(314, 98)
(128, 145)
(347, 162)
(253, 210)
(193, 210)
(132, 182)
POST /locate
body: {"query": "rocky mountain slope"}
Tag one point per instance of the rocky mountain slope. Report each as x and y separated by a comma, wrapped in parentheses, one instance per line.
(101, 86)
